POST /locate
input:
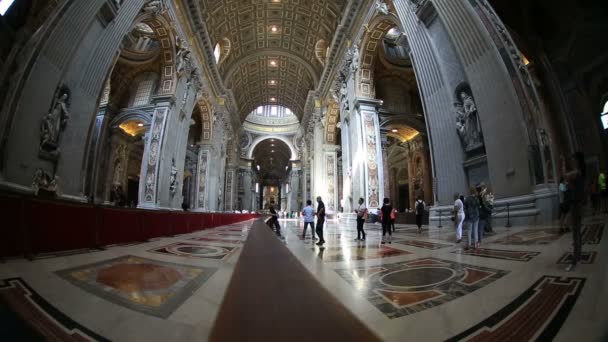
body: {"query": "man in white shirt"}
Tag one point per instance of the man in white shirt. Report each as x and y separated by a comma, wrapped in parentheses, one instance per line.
(309, 219)
(361, 213)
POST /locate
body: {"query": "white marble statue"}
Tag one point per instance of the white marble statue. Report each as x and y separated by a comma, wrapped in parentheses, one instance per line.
(354, 63)
(382, 7)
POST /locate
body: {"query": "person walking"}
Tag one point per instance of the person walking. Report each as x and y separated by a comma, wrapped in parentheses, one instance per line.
(309, 219)
(386, 220)
(564, 203)
(471, 213)
(361, 215)
(486, 205)
(420, 207)
(576, 184)
(601, 181)
(274, 220)
(458, 217)
(320, 220)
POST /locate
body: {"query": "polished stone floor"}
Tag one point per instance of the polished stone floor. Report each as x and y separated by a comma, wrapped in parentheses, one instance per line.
(419, 287)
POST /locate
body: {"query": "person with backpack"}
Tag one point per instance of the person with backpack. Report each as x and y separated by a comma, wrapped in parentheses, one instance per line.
(420, 207)
(386, 220)
(486, 204)
(471, 213)
(361, 212)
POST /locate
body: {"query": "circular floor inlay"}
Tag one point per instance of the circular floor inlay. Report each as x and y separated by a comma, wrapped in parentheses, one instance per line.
(418, 277)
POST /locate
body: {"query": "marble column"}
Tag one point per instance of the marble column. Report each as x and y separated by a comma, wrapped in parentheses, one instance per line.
(387, 181)
(246, 188)
(150, 171)
(294, 200)
(202, 179)
(229, 189)
(329, 180)
(372, 161)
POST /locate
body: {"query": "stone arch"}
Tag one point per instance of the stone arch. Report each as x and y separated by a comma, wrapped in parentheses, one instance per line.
(286, 140)
(160, 25)
(204, 108)
(378, 28)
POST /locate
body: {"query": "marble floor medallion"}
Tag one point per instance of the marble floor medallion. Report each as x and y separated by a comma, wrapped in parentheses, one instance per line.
(149, 286)
(362, 252)
(213, 239)
(193, 250)
(409, 287)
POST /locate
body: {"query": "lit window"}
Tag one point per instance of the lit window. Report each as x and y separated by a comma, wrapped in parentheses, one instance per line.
(604, 116)
(273, 110)
(5, 5)
(144, 90)
(216, 52)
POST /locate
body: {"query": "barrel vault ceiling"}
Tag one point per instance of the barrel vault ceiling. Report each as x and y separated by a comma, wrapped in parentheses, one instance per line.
(271, 59)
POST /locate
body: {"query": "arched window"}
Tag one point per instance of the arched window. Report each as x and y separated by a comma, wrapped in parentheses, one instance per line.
(216, 52)
(604, 116)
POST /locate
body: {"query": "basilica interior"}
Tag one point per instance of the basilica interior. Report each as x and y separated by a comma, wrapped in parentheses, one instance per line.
(147, 146)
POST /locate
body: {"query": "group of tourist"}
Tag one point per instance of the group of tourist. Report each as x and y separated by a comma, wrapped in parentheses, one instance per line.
(475, 213)
(309, 214)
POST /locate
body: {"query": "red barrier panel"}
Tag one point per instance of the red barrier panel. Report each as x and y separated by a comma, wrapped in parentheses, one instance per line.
(33, 226)
(12, 238)
(181, 223)
(119, 226)
(58, 226)
(155, 223)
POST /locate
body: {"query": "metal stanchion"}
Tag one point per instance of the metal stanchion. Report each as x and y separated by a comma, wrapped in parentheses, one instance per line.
(508, 225)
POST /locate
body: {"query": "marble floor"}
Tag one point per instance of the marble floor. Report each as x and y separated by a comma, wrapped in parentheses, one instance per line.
(419, 287)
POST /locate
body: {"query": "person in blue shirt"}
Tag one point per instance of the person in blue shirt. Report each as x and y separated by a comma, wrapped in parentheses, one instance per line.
(309, 219)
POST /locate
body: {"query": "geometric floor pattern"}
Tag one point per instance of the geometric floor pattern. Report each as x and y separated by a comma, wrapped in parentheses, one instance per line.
(531, 237)
(150, 286)
(586, 258)
(26, 316)
(352, 253)
(406, 288)
(423, 286)
(499, 254)
(194, 250)
(536, 315)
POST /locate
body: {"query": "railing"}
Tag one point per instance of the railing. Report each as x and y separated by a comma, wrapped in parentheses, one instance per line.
(33, 226)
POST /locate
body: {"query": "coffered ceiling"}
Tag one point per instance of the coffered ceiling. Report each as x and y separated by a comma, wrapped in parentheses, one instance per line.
(271, 41)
